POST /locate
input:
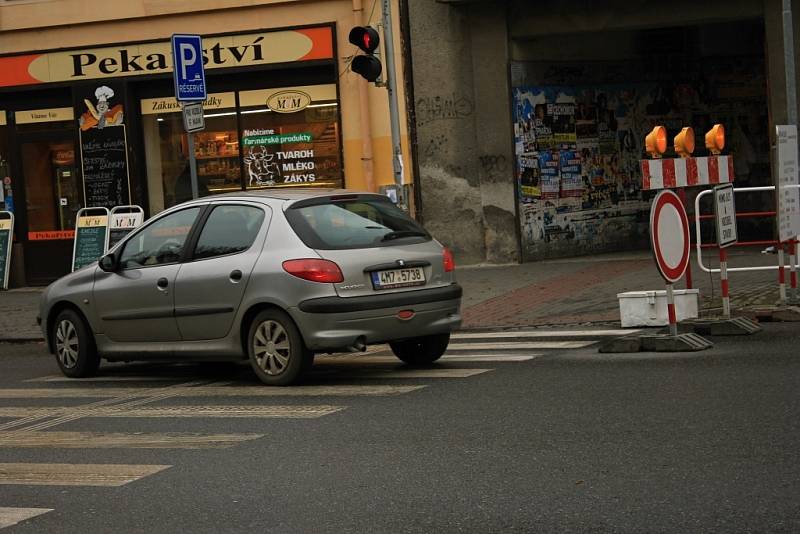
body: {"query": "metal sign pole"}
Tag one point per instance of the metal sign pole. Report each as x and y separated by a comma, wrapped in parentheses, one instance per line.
(192, 164)
(673, 321)
(391, 85)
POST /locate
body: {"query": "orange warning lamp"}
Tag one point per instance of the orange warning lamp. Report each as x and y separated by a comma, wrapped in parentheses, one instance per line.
(715, 139)
(684, 142)
(656, 142)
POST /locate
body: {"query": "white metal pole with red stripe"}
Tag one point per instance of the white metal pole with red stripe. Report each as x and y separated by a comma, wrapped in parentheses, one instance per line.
(792, 268)
(781, 274)
(723, 279)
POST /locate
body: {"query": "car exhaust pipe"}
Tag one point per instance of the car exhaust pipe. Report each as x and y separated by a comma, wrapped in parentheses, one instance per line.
(359, 345)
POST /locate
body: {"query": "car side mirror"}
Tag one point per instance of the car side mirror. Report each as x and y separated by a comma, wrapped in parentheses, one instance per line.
(108, 263)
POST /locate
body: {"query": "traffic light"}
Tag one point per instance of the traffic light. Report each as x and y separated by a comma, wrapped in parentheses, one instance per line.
(367, 65)
(684, 142)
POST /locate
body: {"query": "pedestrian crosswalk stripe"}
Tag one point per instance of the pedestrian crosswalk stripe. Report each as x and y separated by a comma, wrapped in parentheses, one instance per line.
(11, 516)
(75, 474)
(258, 411)
(119, 440)
(109, 378)
(358, 359)
(522, 345)
(541, 334)
(257, 390)
(434, 372)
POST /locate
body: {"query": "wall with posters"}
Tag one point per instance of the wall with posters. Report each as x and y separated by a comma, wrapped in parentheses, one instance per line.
(577, 147)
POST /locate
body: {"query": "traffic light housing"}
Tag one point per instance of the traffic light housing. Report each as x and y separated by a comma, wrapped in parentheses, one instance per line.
(715, 139)
(656, 142)
(368, 66)
(684, 142)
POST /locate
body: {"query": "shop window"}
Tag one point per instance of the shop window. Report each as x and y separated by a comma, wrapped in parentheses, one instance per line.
(53, 186)
(291, 137)
(167, 152)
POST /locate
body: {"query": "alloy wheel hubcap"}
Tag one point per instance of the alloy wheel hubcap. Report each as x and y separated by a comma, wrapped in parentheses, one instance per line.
(271, 347)
(67, 344)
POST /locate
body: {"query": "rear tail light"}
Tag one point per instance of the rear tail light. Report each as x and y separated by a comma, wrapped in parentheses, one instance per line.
(315, 270)
(449, 261)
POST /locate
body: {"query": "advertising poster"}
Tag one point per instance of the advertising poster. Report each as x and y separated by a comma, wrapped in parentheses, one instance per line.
(550, 176)
(529, 177)
(571, 178)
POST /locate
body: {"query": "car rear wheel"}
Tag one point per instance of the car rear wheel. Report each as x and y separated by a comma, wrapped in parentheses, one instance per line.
(421, 350)
(74, 345)
(276, 350)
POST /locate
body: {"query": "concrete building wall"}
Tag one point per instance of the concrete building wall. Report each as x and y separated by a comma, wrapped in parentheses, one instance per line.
(464, 149)
(461, 55)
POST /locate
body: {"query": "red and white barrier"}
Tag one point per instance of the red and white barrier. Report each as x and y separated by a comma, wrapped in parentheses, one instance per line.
(686, 172)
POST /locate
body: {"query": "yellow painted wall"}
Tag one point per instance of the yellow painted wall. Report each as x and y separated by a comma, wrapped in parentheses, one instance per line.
(50, 24)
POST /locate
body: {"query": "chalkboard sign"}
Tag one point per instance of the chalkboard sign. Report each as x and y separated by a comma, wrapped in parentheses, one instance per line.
(6, 239)
(104, 159)
(124, 219)
(91, 237)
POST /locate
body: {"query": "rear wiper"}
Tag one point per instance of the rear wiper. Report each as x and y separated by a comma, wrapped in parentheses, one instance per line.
(403, 233)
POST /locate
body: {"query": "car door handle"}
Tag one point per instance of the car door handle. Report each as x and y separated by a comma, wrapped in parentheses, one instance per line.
(236, 275)
(162, 283)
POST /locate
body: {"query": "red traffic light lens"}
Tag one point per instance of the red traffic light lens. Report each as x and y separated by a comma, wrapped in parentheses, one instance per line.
(364, 37)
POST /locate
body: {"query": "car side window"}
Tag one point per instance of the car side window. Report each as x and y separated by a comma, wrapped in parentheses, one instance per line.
(159, 243)
(228, 230)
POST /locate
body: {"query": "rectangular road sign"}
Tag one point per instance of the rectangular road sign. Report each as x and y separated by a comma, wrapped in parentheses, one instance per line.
(193, 119)
(788, 197)
(725, 212)
(187, 68)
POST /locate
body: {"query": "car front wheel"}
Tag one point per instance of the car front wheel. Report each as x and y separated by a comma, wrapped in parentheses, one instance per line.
(74, 345)
(276, 350)
(421, 350)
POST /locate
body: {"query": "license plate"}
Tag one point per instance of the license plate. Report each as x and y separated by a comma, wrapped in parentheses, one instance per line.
(412, 276)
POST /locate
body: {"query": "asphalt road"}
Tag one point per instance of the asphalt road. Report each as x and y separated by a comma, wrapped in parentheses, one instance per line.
(570, 441)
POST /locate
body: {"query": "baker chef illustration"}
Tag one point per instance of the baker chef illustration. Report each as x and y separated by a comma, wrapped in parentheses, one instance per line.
(103, 115)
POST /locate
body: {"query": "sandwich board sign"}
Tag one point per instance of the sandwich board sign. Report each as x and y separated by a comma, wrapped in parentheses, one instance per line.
(6, 242)
(123, 220)
(91, 237)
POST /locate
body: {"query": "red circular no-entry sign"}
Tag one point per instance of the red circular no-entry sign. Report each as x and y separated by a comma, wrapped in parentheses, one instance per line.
(669, 235)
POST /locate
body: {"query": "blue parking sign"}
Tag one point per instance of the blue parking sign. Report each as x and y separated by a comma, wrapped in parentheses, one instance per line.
(187, 67)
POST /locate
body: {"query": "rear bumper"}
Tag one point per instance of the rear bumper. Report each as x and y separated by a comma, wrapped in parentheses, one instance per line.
(378, 302)
(336, 323)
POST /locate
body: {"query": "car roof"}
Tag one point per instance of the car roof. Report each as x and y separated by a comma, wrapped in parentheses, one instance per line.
(294, 193)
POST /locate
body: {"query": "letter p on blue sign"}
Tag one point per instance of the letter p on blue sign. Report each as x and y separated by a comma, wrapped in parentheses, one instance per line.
(187, 67)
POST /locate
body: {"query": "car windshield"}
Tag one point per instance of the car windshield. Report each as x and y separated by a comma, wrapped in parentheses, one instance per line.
(364, 222)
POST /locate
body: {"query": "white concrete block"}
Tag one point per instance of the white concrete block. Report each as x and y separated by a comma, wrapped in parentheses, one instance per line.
(649, 308)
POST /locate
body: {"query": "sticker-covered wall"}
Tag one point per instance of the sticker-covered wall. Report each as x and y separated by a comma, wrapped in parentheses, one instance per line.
(578, 147)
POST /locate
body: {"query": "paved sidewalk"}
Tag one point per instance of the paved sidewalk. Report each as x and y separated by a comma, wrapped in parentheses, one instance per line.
(573, 291)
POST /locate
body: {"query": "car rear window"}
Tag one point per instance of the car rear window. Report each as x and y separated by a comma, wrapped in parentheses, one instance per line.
(331, 224)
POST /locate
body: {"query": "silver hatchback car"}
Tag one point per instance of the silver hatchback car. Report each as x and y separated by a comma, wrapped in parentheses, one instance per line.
(269, 276)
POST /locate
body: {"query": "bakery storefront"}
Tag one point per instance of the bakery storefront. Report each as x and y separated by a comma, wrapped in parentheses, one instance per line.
(99, 127)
